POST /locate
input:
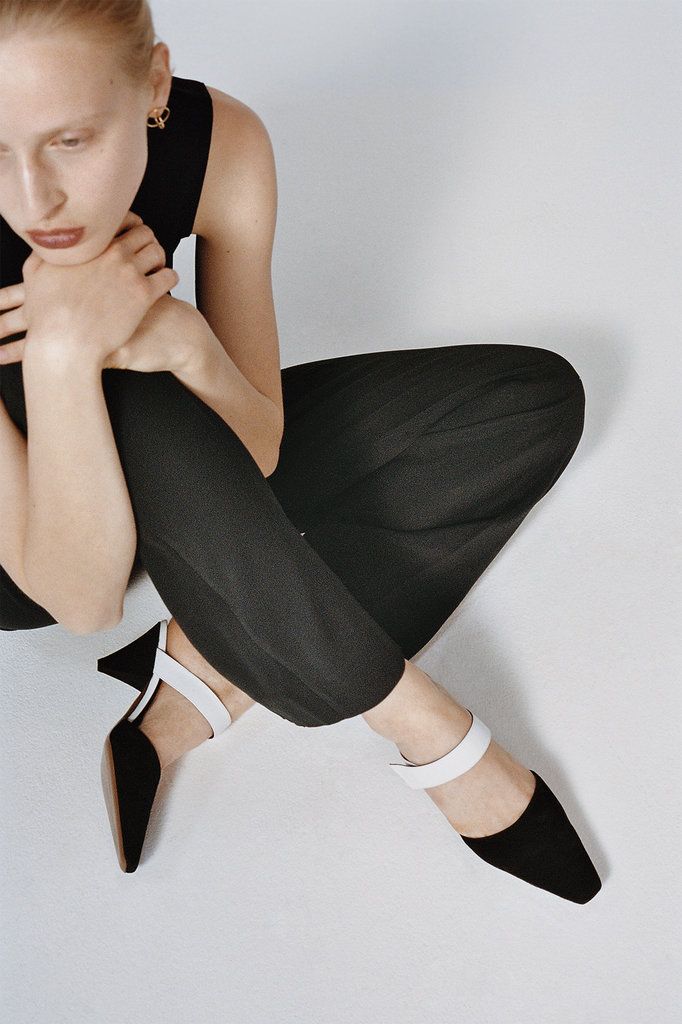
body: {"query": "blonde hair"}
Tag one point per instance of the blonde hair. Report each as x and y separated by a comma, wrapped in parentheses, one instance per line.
(126, 24)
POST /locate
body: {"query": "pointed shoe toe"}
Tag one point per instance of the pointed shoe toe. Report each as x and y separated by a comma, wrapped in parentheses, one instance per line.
(131, 771)
(130, 766)
(543, 848)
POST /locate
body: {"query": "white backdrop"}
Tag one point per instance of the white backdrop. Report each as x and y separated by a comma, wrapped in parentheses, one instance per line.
(447, 173)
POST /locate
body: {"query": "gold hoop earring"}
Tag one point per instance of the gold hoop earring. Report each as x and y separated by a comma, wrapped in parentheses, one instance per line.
(158, 120)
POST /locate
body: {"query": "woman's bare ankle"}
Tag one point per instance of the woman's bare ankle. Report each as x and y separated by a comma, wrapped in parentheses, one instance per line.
(181, 649)
(420, 717)
(172, 722)
(426, 723)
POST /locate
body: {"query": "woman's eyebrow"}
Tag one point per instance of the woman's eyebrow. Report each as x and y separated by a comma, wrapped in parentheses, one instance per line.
(75, 123)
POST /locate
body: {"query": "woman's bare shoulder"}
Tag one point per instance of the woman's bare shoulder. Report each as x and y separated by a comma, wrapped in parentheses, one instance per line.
(234, 123)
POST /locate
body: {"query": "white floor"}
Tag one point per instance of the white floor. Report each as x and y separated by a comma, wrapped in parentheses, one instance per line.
(289, 876)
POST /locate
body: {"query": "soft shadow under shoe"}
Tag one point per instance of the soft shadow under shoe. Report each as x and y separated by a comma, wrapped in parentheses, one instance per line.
(541, 847)
(130, 766)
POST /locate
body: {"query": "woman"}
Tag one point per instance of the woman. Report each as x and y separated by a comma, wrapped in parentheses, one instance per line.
(309, 528)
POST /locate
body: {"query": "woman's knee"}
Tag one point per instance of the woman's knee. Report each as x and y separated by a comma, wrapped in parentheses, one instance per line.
(564, 373)
(567, 395)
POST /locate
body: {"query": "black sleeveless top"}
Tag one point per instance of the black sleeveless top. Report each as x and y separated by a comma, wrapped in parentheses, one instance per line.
(167, 201)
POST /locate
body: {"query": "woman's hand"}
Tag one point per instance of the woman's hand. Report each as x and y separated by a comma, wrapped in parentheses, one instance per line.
(159, 342)
(96, 306)
(166, 339)
(12, 321)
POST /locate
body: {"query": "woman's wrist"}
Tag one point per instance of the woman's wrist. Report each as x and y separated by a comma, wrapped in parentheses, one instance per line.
(60, 355)
(193, 349)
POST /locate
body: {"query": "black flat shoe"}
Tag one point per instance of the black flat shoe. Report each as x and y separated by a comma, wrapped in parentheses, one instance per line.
(130, 766)
(541, 847)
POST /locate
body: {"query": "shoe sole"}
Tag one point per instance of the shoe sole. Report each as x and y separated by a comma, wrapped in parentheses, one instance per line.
(110, 791)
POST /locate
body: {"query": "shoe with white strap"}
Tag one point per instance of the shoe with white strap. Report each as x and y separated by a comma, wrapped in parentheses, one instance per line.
(130, 766)
(541, 847)
(464, 756)
(168, 670)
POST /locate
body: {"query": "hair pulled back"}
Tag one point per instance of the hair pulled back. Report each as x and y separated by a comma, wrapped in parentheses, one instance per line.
(127, 26)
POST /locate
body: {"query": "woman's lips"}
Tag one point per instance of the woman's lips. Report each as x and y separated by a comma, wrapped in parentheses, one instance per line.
(57, 239)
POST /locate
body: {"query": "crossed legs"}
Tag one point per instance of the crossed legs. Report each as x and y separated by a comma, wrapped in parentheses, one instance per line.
(409, 510)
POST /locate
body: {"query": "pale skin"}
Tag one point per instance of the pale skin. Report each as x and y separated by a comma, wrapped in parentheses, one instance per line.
(419, 716)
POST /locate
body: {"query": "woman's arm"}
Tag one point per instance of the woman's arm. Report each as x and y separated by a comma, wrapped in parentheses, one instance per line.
(212, 375)
(13, 499)
(80, 537)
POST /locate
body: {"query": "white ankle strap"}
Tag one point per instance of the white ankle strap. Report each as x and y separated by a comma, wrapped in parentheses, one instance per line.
(190, 686)
(460, 759)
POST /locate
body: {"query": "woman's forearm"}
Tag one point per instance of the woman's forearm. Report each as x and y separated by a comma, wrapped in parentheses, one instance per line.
(214, 378)
(80, 531)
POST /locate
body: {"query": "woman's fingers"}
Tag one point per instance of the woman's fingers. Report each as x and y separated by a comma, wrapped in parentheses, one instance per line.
(12, 322)
(150, 257)
(12, 352)
(166, 279)
(130, 220)
(11, 296)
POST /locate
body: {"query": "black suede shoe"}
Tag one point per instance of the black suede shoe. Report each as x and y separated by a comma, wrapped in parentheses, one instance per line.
(541, 847)
(130, 766)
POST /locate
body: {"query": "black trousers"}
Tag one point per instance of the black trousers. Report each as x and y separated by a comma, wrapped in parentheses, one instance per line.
(401, 475)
